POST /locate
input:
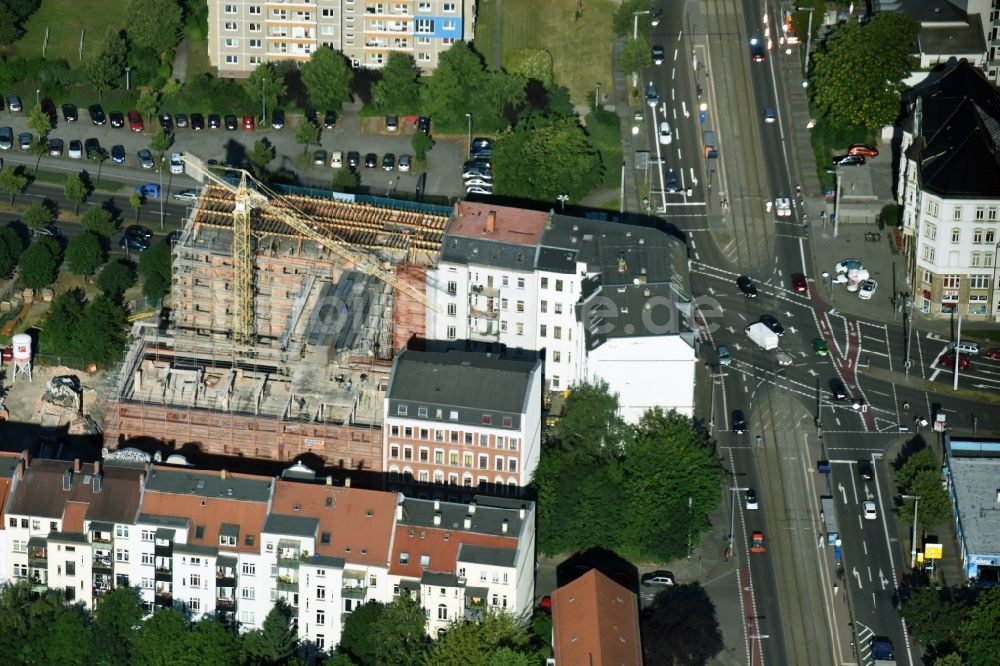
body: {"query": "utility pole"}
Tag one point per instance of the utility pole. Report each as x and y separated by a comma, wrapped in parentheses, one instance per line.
(809, 34)
(836, 203)
(958, 357)
(690, 518)
(732, 520)
(913, 544)
(757, 637)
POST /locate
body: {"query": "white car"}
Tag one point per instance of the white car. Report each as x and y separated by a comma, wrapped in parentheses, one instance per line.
(476, 189)
(783, 358)
(783, 207)
(666, 136)
(751, 498)
(186, 195)
(176, 164)
(869, 510)
(867, 289)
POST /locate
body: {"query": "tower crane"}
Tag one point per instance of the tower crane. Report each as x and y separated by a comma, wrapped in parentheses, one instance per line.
(251, 194)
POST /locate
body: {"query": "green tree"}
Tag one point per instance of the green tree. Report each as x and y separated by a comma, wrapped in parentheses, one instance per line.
(400, 637)
(680, 627)
(266, 84)
(358, 636)
(671, 468)
(65, 316)
(421, 143)
(163, 638)
(498, 96)
(275, 641)
(306, 134)
(39, 121)
(160, 141)
(117, 277)
(10, 30)
(935, 615)
(11, 247)
(543, 158)
(857, 77)
(39, 215)
(529, 64)
(952, 659)
(103, 69)
(920, 475)
(399, 88)
(979, 641)
(99, 221)
(98, 156)
(449, 91)
(154, 267)
(84, 253)
(75, 190)
(13, 181)
(210, 643)
(153, 24)
(40, 263)
(345, 179)
(477, 643)
(636, 55)
(103, 339)
(68, 641)
(147, 104)
(327, 78)
(117, 617)
(25, 623)
(261, 154)
(135, 201)
(623, 21)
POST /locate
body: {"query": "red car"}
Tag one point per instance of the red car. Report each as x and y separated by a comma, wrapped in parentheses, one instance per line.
(948, 360)
(248, 123)
(994, 353)
(546, 605)
(799, 283)
(863, 150)
(134, 121)
(757, 542)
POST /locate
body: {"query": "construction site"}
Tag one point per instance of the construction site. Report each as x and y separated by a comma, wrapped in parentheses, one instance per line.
(285, 313)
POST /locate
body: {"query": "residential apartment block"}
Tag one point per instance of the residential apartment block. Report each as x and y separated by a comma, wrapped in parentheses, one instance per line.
(949, 192)
(595, 299)
(245, 33)
(230, 545)
(462, 420)
(595, 622)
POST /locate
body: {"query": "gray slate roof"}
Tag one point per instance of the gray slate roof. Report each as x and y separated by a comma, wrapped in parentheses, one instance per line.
(208, 484)
(303, 526)
(498, 557)
(487, 519)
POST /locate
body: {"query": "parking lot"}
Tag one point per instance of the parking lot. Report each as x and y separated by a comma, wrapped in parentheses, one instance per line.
(234, 146)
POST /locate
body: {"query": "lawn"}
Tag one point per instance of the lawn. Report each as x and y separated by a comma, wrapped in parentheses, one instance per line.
(198, 62)
(64, 20)
(580, 49)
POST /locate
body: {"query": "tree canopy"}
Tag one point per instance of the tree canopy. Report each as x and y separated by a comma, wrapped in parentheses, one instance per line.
(399, 89)
(75, 190)
(100, 341)
(498, 638)
(857, 76)
(99, 221)
(85, 253)
(680, 627)
(11, 247)
(39, 215)
(107, 66)
(13, 181)
(154, 267)
(327, 78)
(265, 81)
(40, 262)
(154, 24)
(920, 475)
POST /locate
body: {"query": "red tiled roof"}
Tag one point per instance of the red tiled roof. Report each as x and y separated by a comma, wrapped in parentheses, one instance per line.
(356, 518)
(211, 513)
(595, 622)
(442, 551)
(510, 225)
(73, 516)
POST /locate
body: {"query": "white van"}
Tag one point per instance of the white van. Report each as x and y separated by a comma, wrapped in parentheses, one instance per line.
(964, 347)
(337, 159)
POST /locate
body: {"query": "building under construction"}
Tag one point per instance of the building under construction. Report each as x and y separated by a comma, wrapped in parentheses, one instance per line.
(311, 374)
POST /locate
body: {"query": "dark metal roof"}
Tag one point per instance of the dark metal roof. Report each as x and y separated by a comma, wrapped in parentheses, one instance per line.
(498, 557)
(303, 526)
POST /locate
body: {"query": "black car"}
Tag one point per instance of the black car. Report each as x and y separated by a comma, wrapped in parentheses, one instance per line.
(214, 121)
(139, 231)
(277, 119)
(197, 121)
(739, 422)
(49, 109)
(91, 147)
(97, 114)
(424, 124)
(353, 158)
(180, 120)
(481, 164)
(118, 154)
(133, 243)
(371, 161)
(838, 389)
(55, 147)
(480, 143)
(747, 286)
(757, 52)
(865, 470)
(70, 113)
(311, 117)
(772, 323)
(230, 122)
(116, 119)
(166, 122)
(329, 120)
(849, 160)
(671, 184)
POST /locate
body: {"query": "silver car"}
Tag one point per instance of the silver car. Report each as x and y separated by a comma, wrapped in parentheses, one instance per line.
(145, 159)
(6, 138)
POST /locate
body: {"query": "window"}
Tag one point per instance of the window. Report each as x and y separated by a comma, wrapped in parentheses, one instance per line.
(503, 303)
(407, 453)
(254, 27)
(230, 9)
(980, 213)
(976, 259)
(394, 451)
(990, 236)
(320, 617)
(326, 13)
(255, 43)
(401, 410)
(425, 25)
(556, 356)
(146, 558)
(520, 280)
(511, 464)
(450, 25)
(503, 325)
(404, 558)
(977, 304)
(498, 463)
(545, 283)
(487, 420)
(423, 6)
(991, 213)
(452, 309)
(520, 306)
(555, 381)
(930, 231)
(467, 459)
(952, 281)
(543, 307)
(512, 443)
(558, 307)
(505, 281)
(559, 285)
(928, 277)
(121, 555)
(408, 431)
(453, 458)
(232, 43)
(452, 288)
(483, 461)
(520, 328)
(557, 332)
(977, 236)
(927, 253)
(249, 569)
(230, 26)
(979, 281)
(508, 422)
(448, 8)
(425, 433)
(956, 213)
(320, 642)
(956, 235)
(421, 56)
(468, 438)
(451, 333)
(425, 560)
(442, 612)
(422, 412)
(247, 593)
(254, 10)
(438, 457)
(424, 454)
(542, 330)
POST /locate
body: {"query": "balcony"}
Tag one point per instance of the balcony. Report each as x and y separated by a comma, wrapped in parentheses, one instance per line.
(38, 554)
(350, 591)
(103, 561)
(287, 583)
(163, 573)
(225, 605)
(488, 292)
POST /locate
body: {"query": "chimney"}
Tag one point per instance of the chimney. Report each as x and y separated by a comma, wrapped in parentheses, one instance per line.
(329, 480)
(472, 507)
(503, 526)
(68, 480)
(521, 512)
(467, 523)
(621, 264)
(97, 467)
(548, 219)
(491, 222)
(20, 471)
(347, 482)
(26, 457)
(399, 512)
(437, 517)
(76, 465)
(97, 483)
(223, 474)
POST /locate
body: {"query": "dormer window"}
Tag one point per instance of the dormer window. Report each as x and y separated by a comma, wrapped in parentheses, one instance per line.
(401, 410)
(487, 419)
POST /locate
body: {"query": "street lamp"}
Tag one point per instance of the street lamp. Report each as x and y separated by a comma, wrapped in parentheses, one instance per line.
(562, 199)
(836, 201)
(755, 637)
(913, 543)
(161, 192)
(263, 100)
(690, 520)
(37, 92)
(597, 95)
(127, 79)
(732, 519)
(654, 21)
(809, 32)
(468, 143)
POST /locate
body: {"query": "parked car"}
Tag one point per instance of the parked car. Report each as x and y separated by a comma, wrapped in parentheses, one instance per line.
(353, 158)
(138, 230)
(947, 360)
(404, 163)
(424, 124)
(478, 189)
(868, 507)
(751, 499)
(371, 161)
(166, 122)
(176, 164)
(666, 136)
(652, 97)
(230, 121)
(149, 190)
(118, 154)
(135, 121)
(485, 174)
(24, 140)
(319, 157)
(336, 159)
(116, 119)
(6, 138)
(97, 116)
(248, 123)
(747, 286)
(965, 347)
(14, 104)
(197, 122)
(133, 243)
(724, 355)
(214, 121)
(70, 114)
(49, 230)
(838, 389)
(477, 182)
(867, 289)
(994, 353)
(783, 358)
(657, 53)
(277, 119)
(91, 148)
(658, 578)
(145, 159)
(75, 151)
(799, 283)
(862, 149)
(55, 147)
(772, 323)
(329, 120)
(181, 120)
(849, 160)
(388, 162)
(739, 421)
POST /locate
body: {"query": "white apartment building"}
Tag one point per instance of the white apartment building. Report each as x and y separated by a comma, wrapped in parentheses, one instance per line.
(245, 33)
(457, 421)
(231, 545)
(949, 192)
(524, 283)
